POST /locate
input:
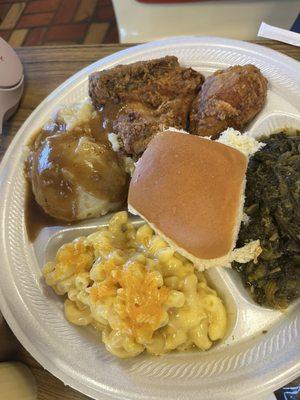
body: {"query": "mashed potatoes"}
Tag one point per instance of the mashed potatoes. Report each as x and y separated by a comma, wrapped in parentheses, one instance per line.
(72, 169)
(240, 141)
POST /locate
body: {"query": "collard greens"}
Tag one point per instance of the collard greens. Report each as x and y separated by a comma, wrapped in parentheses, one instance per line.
(272, 203)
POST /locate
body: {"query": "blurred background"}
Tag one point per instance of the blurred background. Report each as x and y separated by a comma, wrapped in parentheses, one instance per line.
(46, 22)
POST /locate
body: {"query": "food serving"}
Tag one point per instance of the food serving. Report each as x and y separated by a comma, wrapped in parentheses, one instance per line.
(191, 191)
(228, 98)
(141, 99)
(135, 289)
(151, 127)
(259, 343)
(272, 205)
(74, 174)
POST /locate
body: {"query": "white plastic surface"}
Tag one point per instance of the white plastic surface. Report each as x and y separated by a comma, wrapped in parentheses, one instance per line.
(282, 35)
(247, 364)
(11, 69)
(9, 101)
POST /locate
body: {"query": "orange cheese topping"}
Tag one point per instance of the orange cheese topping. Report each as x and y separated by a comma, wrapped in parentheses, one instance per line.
(76, 255)
(141, 299)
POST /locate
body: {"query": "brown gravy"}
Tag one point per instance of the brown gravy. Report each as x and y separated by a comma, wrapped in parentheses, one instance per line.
(35, 217)
(85, 153)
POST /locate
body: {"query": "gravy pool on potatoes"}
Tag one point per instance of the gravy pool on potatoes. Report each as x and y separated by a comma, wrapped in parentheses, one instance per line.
(73, 174)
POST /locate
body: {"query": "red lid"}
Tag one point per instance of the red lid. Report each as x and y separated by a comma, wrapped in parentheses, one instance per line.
(11, 69)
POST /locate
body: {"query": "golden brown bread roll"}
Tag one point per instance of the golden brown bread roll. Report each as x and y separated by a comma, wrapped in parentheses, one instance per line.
(190, 190)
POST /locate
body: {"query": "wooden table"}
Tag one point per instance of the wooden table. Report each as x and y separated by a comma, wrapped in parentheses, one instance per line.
(45, 69)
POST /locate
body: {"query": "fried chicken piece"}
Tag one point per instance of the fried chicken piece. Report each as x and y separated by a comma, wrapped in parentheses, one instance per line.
(140, 99)
(228, 98)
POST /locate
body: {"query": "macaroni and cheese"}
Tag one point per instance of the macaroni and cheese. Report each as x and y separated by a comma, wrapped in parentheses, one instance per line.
(128, 283)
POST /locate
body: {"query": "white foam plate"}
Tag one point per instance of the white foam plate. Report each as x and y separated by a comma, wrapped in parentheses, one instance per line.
(246, 364)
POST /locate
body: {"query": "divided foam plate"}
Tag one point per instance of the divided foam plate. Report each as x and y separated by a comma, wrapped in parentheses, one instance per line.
(245, 364)
(275, 122)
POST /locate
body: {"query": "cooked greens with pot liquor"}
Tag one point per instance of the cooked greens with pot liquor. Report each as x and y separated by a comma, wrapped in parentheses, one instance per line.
(272, 205)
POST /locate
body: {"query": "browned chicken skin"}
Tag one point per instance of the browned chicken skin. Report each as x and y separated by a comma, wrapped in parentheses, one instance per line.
(228, 98)
(140, 99)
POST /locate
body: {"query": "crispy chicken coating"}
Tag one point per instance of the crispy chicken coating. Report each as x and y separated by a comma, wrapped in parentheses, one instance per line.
(141, 99)
(228, 98)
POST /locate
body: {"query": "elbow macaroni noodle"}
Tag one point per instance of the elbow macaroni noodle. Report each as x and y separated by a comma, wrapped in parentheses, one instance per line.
(132, 286)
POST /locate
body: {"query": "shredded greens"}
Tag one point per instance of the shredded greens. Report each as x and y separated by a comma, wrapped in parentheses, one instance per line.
(273, 206)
